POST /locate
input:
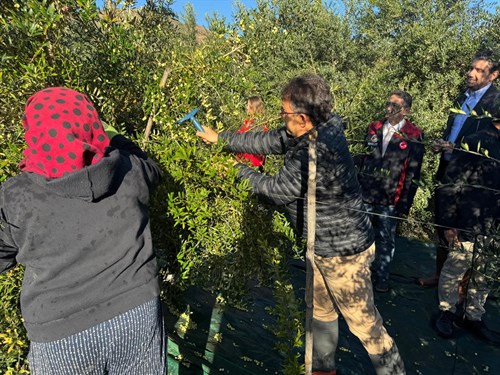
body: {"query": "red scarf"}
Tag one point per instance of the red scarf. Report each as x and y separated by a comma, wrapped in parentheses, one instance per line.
(63, 133)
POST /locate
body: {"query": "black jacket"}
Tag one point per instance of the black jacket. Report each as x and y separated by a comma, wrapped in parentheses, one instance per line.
(84, 239)
(469, 198)
(342, 228)
(488, 103)
(389, 180)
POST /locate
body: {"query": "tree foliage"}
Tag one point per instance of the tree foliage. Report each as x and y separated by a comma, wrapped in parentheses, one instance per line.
(140, 64)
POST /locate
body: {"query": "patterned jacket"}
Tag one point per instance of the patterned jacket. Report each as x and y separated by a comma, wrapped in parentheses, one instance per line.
(342, 228)
(389, 180)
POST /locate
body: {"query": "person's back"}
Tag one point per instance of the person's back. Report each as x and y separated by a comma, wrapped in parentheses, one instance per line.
(85, 244)
(77, 218)
(342, 226)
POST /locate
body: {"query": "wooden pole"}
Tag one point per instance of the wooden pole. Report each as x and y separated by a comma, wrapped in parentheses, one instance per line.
(311, 234)
(149, 125)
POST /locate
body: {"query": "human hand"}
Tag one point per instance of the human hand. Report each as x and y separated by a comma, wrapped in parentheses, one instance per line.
(208, 135)
(451, 236)
(440, 145)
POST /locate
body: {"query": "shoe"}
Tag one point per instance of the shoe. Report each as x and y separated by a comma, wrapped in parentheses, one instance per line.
(381, 286)
(479, 329)
(428, 281)
(444, 324)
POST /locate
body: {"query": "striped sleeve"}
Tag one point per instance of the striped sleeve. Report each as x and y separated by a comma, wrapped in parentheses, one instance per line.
(287, 185)
(266, 143)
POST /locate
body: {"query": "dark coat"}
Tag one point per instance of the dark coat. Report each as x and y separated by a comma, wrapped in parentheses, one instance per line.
(469, 198)
(342, 228)
(473, 124)
(389, 180)
(84, 239)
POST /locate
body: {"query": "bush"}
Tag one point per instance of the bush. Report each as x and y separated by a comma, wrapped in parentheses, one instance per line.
(140, 66)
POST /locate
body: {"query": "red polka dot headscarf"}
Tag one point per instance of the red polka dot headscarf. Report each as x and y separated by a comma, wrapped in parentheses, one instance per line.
(63, 133)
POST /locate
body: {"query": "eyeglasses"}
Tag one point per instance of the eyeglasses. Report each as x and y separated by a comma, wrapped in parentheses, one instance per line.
(396, 106)
(283, 113)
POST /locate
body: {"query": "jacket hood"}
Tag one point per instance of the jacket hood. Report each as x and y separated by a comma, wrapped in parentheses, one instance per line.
(89, 184)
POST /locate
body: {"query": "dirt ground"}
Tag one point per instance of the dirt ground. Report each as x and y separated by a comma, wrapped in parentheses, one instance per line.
(232, 341)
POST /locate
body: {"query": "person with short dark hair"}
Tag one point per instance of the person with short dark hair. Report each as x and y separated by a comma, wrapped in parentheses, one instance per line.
(387, 175)
(469, 198)
(344, 246)
(479, 99)
(76, 217)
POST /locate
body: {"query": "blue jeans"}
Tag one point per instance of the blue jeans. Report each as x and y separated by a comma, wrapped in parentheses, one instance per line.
(384, 223)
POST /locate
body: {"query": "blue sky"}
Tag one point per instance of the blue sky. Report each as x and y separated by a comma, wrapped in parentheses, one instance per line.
(202, 7)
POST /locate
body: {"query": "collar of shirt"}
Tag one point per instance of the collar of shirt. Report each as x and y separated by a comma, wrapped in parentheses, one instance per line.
(471, 100)
(393, 128)
(478, 94)
(388, 131)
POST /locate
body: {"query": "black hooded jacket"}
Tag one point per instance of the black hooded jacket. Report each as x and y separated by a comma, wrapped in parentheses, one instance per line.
(84, 240)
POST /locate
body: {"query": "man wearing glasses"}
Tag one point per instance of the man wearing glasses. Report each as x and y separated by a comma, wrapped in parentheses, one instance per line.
(344, 246)
(387, 175)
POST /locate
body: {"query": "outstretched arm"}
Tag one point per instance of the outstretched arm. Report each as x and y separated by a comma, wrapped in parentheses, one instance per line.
(264, 143)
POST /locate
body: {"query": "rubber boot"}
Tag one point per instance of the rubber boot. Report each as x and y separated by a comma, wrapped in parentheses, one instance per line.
(325, 339)
(388, 363)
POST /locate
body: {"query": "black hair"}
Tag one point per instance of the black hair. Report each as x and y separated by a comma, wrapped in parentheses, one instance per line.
(407, 99)
(309, 94)
(490, 57)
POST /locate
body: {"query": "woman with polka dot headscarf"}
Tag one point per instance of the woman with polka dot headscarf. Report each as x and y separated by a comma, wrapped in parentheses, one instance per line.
(63, 133)
(76, 217)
